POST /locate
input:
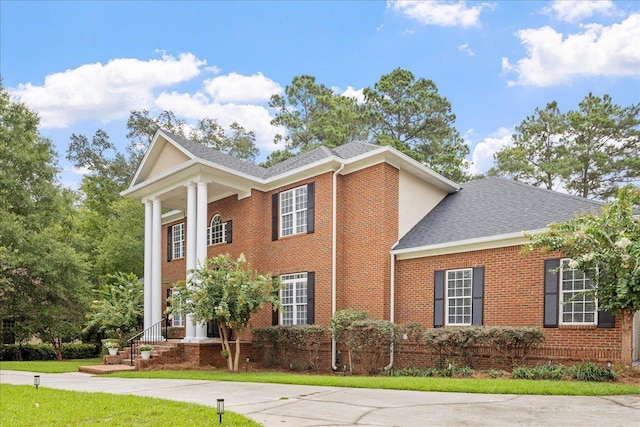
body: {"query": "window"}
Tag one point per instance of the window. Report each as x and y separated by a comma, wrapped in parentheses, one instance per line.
(178, 240)
(459, 287)
(216, 233)
(8, 333)
(576, 306)
(293, 299)
(177, 321)
(293, 211)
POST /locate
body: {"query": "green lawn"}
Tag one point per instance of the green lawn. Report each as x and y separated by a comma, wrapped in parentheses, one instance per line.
(467, 385)
(49, 366)
(26, 406)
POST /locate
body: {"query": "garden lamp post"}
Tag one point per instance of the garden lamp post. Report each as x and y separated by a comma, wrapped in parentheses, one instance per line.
(220, 409)
(608, 364)
(36, 381)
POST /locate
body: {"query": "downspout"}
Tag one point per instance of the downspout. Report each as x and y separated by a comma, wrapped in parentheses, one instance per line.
(392, 303)
(334, 257)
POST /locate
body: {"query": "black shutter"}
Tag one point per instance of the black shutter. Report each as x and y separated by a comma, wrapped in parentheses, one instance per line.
(228, 230)
(551, 293)
(438, 299)
(606, 319)
(311, 297)
(477, 294)
(275, 314)
(311, 207)
(275, 214)
(169, 243)
(169, 293)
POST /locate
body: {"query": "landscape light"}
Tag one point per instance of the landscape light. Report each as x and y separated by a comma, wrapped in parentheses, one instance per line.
(220, 409)
(36, 381)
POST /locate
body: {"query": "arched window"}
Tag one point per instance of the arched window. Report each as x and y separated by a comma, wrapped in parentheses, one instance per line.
(216, 233)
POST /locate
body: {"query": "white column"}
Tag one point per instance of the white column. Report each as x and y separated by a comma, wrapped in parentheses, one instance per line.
(148, 243)
(190, 332)
(201, 242)
(156, 264)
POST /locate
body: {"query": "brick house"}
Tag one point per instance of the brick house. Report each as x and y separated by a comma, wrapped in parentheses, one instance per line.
(366, 227)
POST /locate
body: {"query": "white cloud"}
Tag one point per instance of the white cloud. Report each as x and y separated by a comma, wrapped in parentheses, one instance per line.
(466, 49)
(351, 92)
(597, 51)
(577, 10)
(104, 91)
(482, 156)
(238, 88)
(441, 13)
(253, 117)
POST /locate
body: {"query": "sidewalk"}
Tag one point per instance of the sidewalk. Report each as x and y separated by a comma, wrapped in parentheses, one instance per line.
(294, 406)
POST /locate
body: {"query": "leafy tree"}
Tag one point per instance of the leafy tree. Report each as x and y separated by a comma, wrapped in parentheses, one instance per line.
(42, 279)
(276, 157)
(607, 246)
(538, 155)
(240, 143)
(227, 292)
(410, 115)
(589, 152)
(118, 309)
(313, 115)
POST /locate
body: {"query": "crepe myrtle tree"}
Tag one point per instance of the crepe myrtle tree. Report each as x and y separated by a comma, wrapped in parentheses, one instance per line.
(228, 292)
(607, 246)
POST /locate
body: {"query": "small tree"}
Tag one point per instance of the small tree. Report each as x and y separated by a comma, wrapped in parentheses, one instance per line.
(227, 292)
(608, 247)
(119, 306)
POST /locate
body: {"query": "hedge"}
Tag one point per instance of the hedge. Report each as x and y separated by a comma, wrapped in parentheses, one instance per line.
(45, 351)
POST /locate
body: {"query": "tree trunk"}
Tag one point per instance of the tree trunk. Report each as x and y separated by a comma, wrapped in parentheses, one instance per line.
(236, 359)
(225, 344)
(626, 332)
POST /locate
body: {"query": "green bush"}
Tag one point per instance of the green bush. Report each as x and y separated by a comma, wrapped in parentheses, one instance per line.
(540, 372)
(295, 347)
(45, 351)
(369, 342)
(513, 344)
(589, 371)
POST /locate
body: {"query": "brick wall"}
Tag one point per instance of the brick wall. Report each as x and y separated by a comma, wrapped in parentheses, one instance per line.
(513, 296)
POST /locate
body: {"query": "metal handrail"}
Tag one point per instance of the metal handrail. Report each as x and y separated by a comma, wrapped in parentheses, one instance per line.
(152, 335)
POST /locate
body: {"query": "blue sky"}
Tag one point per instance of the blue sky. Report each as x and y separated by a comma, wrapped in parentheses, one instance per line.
(86, 65)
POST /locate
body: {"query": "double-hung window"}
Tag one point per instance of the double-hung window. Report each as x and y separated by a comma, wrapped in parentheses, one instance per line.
(293, 211)
(459, 296)
(178, 240)
(178, 321)
(577, 305)
(293, 299)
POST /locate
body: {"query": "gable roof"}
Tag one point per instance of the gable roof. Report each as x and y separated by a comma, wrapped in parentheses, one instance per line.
(490, 208)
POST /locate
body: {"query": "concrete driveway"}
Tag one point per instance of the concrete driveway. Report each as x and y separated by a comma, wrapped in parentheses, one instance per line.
(290, 405)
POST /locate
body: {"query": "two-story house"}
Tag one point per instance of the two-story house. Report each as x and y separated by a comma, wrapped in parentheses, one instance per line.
(366, 227)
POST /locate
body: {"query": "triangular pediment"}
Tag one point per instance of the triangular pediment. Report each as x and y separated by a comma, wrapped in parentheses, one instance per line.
(162, 156)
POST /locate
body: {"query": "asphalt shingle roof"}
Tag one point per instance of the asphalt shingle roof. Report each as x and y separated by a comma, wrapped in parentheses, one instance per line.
(346, 151)
(490, 207)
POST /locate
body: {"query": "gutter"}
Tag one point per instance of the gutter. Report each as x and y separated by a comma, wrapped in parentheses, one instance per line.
(392, 302)
(334, 251)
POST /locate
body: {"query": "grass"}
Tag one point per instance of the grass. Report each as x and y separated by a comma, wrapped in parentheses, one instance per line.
(49, 366)
(466, 385)
(26, 406)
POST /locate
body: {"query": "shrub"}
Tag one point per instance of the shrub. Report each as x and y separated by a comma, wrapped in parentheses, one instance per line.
(80, 351)
(458, 345)
(342, 319)
(45, 351)
(295, 347)
(410, 340)
(540, 372)
(514, 344)
(369, 342)
(589, 371)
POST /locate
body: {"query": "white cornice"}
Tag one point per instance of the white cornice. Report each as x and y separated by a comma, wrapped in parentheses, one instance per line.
(468, 245)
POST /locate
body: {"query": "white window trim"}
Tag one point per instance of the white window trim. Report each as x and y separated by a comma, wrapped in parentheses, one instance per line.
(294, 213)
(293, 279)
(177, 246)
(562, 303)
(181, 322)
(446, 297)
(210, 231)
